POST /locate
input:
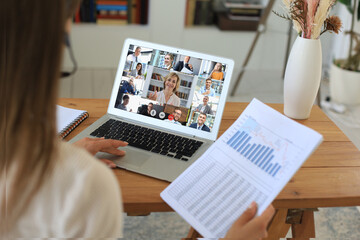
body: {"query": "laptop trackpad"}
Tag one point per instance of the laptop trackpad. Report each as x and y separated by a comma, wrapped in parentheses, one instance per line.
(132, 159)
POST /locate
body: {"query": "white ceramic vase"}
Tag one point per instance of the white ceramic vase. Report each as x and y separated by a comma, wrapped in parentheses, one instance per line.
(302, 77)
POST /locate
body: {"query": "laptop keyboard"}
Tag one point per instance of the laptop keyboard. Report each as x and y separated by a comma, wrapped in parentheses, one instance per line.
(148, 139)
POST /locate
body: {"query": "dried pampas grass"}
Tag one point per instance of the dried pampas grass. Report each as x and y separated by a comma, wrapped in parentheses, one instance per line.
(320, 17)
(312, 9)
(310, 17)
(286, 7)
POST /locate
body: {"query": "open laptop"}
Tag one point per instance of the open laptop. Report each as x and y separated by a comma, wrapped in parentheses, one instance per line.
(165, 106)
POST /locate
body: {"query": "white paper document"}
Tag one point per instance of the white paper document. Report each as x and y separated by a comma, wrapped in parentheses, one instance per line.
(252, 161)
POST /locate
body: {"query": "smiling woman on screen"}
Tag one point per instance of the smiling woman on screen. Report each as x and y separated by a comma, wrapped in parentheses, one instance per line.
(168, 96)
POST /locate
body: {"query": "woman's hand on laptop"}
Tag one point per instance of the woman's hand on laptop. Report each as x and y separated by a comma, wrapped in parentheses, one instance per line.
(95, 145)
(250, 227)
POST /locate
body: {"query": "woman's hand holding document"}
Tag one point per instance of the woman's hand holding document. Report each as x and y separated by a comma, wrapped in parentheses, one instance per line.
(249, 227)
(251, 162)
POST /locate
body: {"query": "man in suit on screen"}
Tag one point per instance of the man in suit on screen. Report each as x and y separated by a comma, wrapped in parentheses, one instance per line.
(183, 64)
(200, 125)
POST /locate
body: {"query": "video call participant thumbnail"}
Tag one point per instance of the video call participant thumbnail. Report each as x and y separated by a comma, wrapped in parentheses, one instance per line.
(200, 125)
(128, 87)
(207, 89)
(125, 101)
(180, 65)
(205, 107)
(175, 116)
(168, 61)
(146, 110)
(137, 72)
(134, 57)
(217, 73)
(168, 95)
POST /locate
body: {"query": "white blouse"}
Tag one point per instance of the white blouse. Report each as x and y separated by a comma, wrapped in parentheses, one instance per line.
(81, 198)
(173, 100)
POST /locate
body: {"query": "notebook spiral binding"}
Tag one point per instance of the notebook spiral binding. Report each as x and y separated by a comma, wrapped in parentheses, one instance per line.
(66, 131)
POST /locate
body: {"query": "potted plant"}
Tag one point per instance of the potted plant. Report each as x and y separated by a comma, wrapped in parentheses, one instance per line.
(345, 73)
(303, 70)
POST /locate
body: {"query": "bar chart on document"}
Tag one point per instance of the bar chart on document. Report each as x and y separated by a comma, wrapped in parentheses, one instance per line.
(258, 145)
(252, 161)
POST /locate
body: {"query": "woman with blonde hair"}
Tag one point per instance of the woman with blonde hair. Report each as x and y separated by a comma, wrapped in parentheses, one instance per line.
(50, 188)
(217, 73)
(168, 94)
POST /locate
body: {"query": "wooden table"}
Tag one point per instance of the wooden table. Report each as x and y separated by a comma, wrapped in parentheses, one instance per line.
(329, 178)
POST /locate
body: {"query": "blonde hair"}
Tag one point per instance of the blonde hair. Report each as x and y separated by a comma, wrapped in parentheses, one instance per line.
(172, 60)
(170, 55)
(170, 75)
(220, 70)
(29, 75)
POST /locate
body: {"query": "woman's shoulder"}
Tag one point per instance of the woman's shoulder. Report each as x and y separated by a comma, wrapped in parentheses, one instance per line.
(85, 174)
(79, 187)
(87, 188)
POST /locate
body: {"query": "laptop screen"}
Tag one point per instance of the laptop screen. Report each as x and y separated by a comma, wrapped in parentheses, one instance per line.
(170, 86)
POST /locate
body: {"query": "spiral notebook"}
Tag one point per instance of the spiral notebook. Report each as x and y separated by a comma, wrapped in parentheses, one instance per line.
(67, 119)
